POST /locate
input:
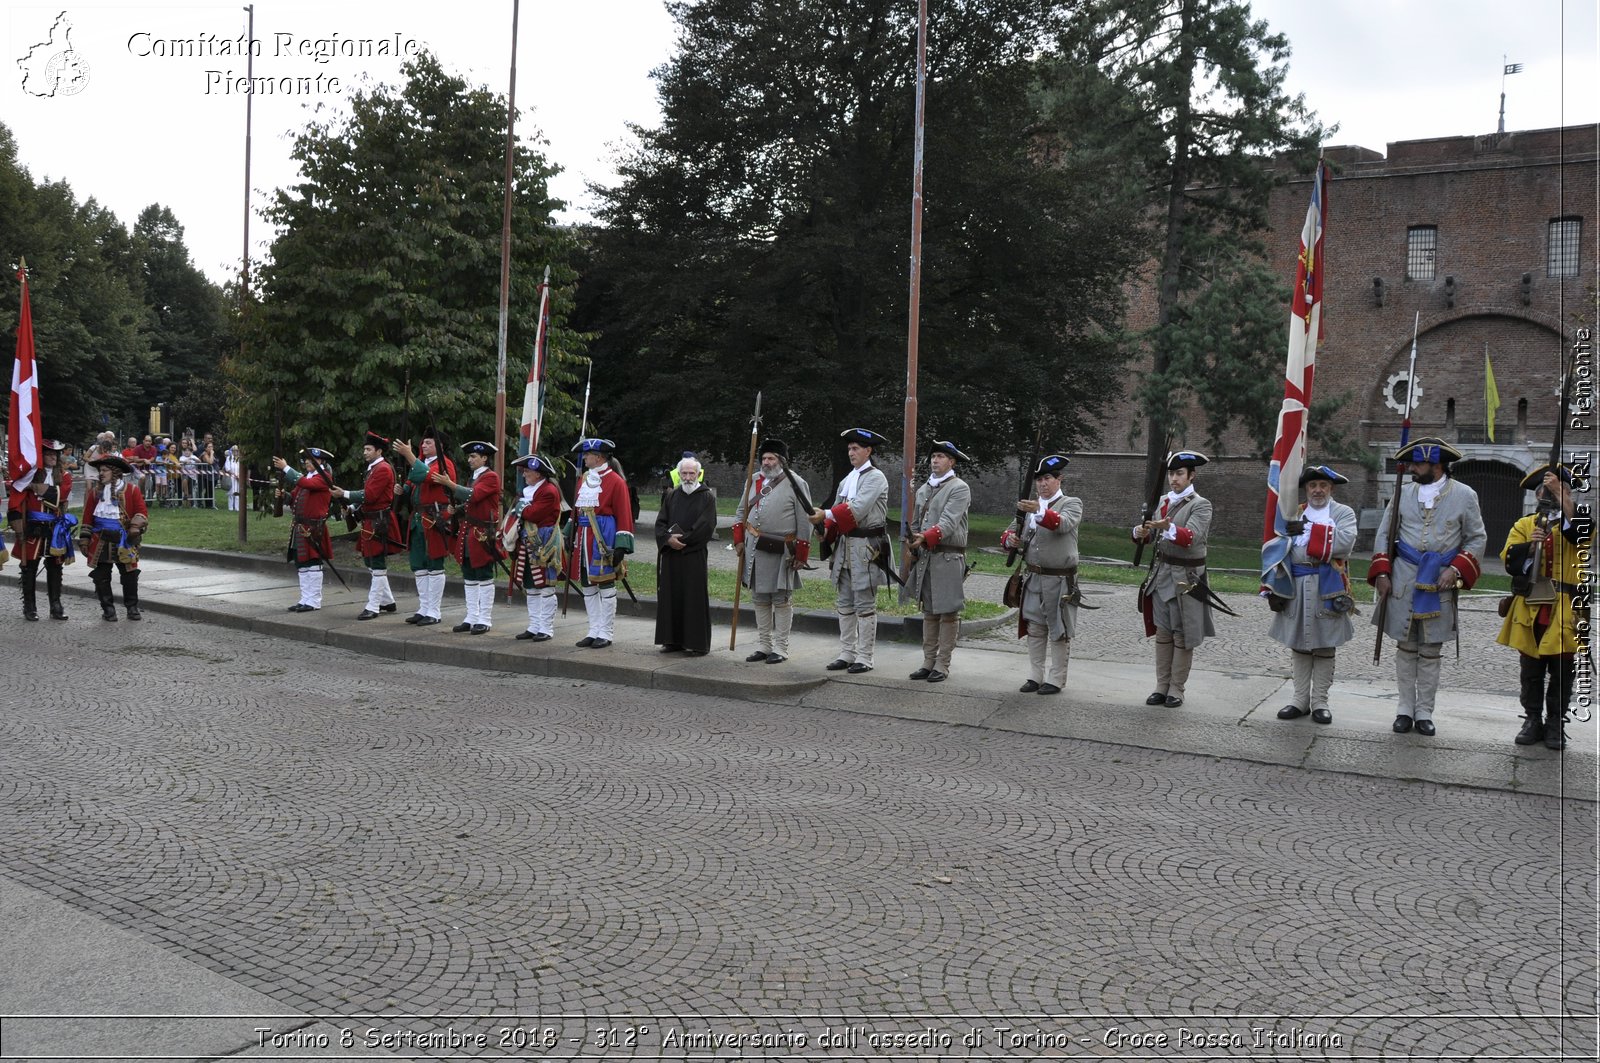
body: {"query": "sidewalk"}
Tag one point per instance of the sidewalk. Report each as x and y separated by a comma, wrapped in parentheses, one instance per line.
(1230, 709)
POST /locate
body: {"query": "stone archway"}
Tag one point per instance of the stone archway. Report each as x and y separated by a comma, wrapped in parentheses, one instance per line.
(1500, 497)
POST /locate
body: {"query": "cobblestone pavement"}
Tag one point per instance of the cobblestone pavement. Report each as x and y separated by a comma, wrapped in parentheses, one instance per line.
(463, 854)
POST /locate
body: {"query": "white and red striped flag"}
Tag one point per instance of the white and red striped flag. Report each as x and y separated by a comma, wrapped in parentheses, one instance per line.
(533, 393)
(25, 450)
(1289, 448)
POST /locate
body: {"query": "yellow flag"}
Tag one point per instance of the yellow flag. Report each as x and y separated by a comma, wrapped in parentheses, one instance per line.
(1491, 394)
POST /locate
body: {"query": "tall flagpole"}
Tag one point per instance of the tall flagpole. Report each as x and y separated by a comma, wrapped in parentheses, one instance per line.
(505, 256)
(241, 469)
(909, 430)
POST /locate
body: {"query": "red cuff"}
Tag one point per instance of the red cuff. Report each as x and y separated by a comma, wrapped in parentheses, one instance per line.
(1320, 546)
(843, 519)
(1050, 520)
(1380, 567)
(738, 535)
(1184, 538)
(1467, 567)
(932, 536)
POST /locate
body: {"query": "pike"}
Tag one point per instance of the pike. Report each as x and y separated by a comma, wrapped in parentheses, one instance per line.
(277, 448)
(1399, 477)
(749, 478)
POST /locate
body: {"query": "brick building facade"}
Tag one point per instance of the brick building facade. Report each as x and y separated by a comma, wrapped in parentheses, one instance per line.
(1492, 240)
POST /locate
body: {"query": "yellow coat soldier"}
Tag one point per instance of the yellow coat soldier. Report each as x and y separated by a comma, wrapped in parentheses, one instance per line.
(1544, 555)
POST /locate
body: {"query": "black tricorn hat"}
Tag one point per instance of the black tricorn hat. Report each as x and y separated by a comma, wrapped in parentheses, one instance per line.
(1322, 472)
(478, 446)
(1186, 459)
(1430, 449)
(863, 437)
(1535, 478)
(773, 446)
(315, 452)
(1051, 465)
(537, 463)
(944, 446)
(116, 461)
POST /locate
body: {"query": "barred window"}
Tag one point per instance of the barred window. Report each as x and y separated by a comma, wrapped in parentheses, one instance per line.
(1565, 235)
(1421, 243)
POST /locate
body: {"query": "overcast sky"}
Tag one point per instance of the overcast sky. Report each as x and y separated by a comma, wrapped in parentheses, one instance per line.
(146, 127)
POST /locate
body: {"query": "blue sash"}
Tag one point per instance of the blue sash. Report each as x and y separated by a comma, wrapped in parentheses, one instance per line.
(599, 559)
(61, 537)
(1330, 581)
(1425, 603)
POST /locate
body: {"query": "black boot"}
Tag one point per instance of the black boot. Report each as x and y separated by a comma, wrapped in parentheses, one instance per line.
(102, 590)
(1562, 672)
(30, 590)
(52, 582)
(1532, 700)
(130, 593)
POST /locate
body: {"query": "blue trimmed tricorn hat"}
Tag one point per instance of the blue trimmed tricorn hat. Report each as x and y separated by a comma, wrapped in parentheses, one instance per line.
(1430, 449)
(594, 446)
(478, 446)
(535, 462)
(1186, 459)
(944, 446)
(1322, 472)
(315, 452)
(1051, 465)
(863, 437)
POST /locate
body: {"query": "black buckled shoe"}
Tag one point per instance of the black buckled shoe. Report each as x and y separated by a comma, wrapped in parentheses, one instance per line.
(413, 618)
(1049, 688)
(542, 637)
(366, 614)
(427, 621)
(838, 666)
(392, 607)
(1291, 712)
(586, 642)
(525, 636)
(776, 658)
(480, 629)
(937, 676)
(462, 628)
(599, 644)
(1172, 701)
(1028, 688)
(920, 673)
(858, 668)
(1402, 725)
(759, 655)
(1426, 729)
(1322, 716)
(1158, 698)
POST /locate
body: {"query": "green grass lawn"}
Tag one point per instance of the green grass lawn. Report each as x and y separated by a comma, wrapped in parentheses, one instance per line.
(217, 529)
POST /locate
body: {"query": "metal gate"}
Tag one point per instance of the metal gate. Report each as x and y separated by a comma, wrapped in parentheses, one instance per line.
(1499, 496)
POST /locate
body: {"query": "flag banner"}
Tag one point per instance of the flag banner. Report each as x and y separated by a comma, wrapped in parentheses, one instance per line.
(1491, 394)
(533, 392)
(25, 452)
(1512, 68)
(1289, 446)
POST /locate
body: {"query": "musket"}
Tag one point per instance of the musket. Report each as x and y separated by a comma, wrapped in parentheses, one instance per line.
(749, 479)
(1153, 497)
(1399, 482)
(277, 448)
(1024, 485)
(583, 423)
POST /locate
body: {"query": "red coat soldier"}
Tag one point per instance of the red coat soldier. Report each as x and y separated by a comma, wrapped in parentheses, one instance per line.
(309, 543)
(380, 529)
(478, 539)
(114, 521)
(37, 513)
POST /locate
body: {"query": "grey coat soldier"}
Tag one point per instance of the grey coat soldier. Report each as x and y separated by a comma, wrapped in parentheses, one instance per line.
(1179, 620)
(1047, 533)
(772, 531)
(939, 569)
(855, 529)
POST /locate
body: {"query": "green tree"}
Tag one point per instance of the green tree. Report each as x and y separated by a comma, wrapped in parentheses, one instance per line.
(88, 321)
(1192, 90)
(188, 324)
(381, 292)
(759, 237)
